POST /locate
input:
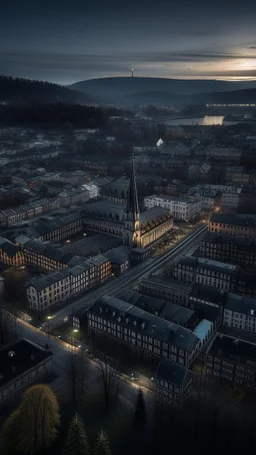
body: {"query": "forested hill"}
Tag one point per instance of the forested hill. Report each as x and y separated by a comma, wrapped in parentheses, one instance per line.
(25, 90)
(52, 115)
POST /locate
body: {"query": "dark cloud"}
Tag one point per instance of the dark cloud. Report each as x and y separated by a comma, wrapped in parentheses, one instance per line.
(66, 41)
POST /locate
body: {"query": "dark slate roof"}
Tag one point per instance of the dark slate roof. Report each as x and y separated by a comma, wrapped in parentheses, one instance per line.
(105, 210)
(118, 255)
(26, 355)
(154, 215)
(173, 373)
(134, 318)
(176, 313)
(209, 264)
(48, 251)
(235, 219)
(144, 302)
(48, 280)
(208, 293)
(43, 227)
(234, 350)
(118, 187)
(241, 304)
(8, 247)
(212, 237)
(164, 282)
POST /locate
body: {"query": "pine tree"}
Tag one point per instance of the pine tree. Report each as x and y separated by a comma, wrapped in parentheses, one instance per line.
(34, 425)
(76, 442)
(102, 444)
(140, 408)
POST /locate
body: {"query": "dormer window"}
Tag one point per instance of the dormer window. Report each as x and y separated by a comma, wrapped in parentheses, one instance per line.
(126, 320)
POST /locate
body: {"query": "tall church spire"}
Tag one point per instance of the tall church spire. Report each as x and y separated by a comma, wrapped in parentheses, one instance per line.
(132, 208)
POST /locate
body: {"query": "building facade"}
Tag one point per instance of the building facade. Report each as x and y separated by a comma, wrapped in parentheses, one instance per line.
(232, 360)
(61, 285)
(206, 272)
(238, 250)
(240, 313)
(144, 333)
(173, 383)
(233, 224)
(180, 208)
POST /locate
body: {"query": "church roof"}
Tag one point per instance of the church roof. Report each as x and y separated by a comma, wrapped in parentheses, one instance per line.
(105, 209)
(153, 217)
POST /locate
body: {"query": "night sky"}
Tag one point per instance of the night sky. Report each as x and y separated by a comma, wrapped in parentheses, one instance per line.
(67, 41)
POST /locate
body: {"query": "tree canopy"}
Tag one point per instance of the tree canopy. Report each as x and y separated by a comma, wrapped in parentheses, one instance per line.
(34, 425)
(102, 444)
(76, 442)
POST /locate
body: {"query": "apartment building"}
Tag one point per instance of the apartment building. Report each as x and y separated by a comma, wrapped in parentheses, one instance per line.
(15, 215)
(232, 360)
(58, 286)
(206, 271)
(10, 254)
(41, 255)
(173, 383)
(165, 288)
(238, 250)
(233, 224)
(240, 313)
(49, 290)
(145, 333)
(185, 209)
(56, 229)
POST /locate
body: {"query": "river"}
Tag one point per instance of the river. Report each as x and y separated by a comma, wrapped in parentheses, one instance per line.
(208, 120)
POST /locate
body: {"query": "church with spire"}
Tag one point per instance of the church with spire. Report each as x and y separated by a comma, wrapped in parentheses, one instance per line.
(137, 229)
(132, 213)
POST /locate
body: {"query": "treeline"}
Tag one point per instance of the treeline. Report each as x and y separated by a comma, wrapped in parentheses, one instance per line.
(26, 90)
(55, 114)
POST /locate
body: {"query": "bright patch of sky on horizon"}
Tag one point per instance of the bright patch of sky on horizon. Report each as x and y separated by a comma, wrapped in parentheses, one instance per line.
(64, 42)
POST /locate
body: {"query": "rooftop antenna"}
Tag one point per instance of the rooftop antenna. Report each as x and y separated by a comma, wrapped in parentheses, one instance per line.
(132, 72)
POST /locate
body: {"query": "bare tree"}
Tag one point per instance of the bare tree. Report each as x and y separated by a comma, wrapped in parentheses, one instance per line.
(7, 322)
(77, 367)
(110, 375)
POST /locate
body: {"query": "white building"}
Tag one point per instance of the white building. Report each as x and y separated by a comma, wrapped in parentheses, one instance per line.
(92, 188)
(59, 286)
(185, 209)
(240, 313)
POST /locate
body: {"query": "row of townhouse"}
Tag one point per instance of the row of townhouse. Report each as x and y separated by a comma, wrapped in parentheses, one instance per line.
(223, 276)
(205, 271)
(26, 251)
(58, 286)
(234, 249)
(146, 334)
(56, 229)
(233, 224)
(34, 209)
(43, 256)
(186, 209)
